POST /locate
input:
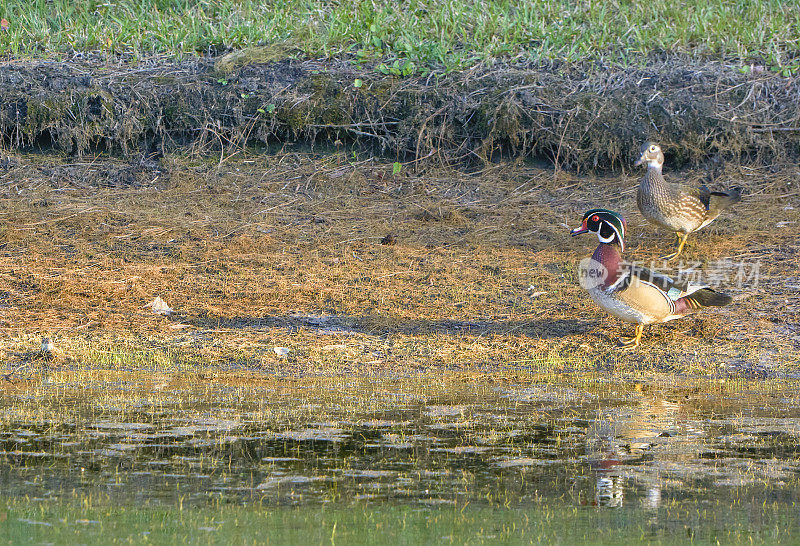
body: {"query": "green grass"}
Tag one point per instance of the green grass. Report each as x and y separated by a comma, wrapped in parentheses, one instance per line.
(416, 36)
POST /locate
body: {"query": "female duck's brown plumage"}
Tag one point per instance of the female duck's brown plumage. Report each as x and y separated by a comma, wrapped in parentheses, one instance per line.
(680, 208)
(634, 294)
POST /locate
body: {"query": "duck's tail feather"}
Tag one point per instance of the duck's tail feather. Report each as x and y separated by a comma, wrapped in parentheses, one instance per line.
(721, 200)
(704, 297)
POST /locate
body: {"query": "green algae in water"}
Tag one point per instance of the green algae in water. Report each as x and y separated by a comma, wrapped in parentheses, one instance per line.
(37, 521)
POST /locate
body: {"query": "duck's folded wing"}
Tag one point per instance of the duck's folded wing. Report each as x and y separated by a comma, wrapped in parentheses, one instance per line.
(701, 193)
(674, 288)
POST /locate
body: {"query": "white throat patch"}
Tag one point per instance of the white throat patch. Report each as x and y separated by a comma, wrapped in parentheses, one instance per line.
(617, 235)
(606, 239)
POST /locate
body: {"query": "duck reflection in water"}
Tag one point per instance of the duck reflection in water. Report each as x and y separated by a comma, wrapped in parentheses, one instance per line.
(622, 438)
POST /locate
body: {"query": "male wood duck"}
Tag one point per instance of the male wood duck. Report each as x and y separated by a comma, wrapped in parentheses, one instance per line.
(631, 293)
(680, 208)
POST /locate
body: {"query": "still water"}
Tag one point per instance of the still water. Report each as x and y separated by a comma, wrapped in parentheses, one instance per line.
(417, 459)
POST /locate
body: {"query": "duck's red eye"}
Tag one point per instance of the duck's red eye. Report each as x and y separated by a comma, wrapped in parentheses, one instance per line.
(595, 218)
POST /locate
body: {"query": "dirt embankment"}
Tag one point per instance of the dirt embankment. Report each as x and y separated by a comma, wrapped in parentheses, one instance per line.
(591, 117)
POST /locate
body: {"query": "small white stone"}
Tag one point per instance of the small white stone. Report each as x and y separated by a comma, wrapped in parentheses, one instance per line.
(48, 347)
(160, 307)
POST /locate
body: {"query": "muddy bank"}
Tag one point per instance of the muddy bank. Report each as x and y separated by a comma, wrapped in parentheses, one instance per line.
(580, 118)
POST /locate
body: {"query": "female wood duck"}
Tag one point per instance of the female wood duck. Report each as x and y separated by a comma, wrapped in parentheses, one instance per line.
(680, 208)
(631, 293)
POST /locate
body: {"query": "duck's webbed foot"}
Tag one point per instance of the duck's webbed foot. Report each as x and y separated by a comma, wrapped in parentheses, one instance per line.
(680, 241)
(630, 343)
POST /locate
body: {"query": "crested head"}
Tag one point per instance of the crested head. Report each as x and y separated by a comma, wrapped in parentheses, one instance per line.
(650, 153)
(608, 225)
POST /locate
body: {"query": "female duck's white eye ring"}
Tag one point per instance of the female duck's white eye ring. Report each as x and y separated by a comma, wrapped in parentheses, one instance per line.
(652, 148)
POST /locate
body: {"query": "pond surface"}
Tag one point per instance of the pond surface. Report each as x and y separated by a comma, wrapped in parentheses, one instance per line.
(398, 460)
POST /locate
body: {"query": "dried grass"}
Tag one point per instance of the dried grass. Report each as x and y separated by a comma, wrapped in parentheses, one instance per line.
(266, 251)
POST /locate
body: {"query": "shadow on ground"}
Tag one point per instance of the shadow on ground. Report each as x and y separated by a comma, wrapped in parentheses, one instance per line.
(384, 326)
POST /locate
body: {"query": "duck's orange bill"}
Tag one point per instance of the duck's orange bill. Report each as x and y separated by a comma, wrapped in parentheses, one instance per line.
(579, 230)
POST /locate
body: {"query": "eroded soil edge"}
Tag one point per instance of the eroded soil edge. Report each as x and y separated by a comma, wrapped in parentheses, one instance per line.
(589, 117)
